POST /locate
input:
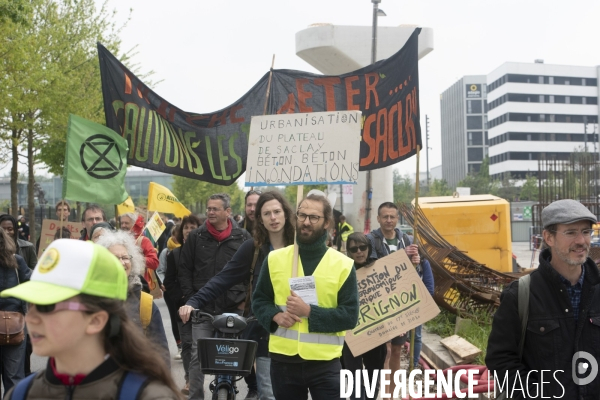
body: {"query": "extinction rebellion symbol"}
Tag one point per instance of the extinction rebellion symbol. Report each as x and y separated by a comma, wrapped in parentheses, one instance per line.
(100, 157)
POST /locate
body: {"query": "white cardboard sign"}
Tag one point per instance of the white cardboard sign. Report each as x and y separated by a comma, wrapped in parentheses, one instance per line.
(304, 149)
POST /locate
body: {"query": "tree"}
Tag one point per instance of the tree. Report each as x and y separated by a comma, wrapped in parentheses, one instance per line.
(404, 190)
(530, 190)
(50, 69)
(480, 182)
(195, 192)
(291, 192)
(439, 187)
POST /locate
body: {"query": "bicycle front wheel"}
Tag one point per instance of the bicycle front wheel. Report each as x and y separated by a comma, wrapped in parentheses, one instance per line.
(222, 394)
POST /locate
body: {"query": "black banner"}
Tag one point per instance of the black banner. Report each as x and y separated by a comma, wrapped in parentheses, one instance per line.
(213, 147)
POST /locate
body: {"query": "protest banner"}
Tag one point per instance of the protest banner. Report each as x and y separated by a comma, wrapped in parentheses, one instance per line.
(95, 163)
(213, 147)
(155, 226)
(392, 301)
(304, 149)
(51, 226)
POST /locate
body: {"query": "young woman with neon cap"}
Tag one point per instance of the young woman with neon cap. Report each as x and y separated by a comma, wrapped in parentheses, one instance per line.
(77, 318)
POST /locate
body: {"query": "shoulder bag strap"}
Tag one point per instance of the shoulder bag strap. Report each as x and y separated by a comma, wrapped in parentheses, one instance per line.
(22, 388)
(249, 291)
(131, 386)
(523, 303)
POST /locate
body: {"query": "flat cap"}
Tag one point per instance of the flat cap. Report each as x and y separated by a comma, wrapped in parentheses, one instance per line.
(566, 212)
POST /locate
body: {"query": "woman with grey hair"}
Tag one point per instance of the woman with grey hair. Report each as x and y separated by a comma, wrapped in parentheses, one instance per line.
(139, 305)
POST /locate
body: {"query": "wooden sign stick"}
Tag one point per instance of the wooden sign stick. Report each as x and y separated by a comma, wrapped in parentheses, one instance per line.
(411, 360)
(299, 195)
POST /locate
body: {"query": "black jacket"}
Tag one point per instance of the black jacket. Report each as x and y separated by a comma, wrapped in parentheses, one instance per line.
(27, 251)
(173, 288)
(202, 257)
(10, 278)
(235, 272)
(553, 336)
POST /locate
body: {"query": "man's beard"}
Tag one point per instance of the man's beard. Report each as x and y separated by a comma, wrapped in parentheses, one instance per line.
(310, 238)
(568, 260)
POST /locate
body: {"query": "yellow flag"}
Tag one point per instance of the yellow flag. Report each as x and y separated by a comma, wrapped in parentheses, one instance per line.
(126, 206)
(162, 200)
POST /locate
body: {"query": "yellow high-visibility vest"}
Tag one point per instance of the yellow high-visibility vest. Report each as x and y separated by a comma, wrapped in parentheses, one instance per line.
(330, 275)
(347, 233)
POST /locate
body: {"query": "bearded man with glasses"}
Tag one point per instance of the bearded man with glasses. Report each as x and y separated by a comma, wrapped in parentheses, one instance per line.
(306, 339)
(562, 332)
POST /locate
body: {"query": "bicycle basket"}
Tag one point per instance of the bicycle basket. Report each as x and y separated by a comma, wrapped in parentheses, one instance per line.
(226, 356)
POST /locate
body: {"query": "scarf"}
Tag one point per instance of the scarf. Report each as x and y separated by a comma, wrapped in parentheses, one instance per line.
(172, 244)
(222, 235)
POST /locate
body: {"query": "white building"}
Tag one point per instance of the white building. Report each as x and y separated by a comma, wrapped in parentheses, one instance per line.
(539, 111)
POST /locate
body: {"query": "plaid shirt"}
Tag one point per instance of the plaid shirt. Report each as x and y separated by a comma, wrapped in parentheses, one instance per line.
(574, 292)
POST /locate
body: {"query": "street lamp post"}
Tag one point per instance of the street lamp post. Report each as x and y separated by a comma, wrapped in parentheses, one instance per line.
(376, 13)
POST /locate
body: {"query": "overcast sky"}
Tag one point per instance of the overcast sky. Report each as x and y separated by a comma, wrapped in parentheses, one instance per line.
(209, 53)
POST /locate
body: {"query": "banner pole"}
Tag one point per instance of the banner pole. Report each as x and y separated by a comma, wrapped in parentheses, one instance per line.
(117, 221)
(62, 204)
(411, 360)
(269, 86)
(299, 195)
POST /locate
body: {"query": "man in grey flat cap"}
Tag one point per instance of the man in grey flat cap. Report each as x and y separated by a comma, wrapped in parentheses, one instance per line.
(561, 347)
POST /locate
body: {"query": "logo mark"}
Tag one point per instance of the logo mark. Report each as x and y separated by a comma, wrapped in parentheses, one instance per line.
(579, 367)
(100, 157)
(473, 88)
(49, 260)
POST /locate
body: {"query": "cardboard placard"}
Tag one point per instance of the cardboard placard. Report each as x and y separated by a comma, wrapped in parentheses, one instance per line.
(155, 226)
(393, 300)
(51, 226)
(304, 149)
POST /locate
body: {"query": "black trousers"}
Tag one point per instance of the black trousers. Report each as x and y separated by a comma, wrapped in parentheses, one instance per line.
(293, 381)
(372, 360)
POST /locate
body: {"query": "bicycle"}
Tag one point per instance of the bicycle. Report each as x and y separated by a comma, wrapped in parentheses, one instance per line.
(225, 356)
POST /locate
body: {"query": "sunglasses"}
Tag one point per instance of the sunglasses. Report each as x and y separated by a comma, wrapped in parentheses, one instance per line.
(353, 250)
(62, 306)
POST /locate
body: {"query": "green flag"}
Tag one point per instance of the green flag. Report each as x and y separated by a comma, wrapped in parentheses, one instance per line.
(95, 163)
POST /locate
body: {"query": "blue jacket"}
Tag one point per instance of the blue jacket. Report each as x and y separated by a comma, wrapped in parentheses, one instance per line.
(8, 279)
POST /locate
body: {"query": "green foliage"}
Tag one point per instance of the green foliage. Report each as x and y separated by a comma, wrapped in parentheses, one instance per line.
(529, 190)
(439, 187)
(192, 191)
(15, 11)
(476, 333)
(404, 190)
(291, 192)
(480, 183)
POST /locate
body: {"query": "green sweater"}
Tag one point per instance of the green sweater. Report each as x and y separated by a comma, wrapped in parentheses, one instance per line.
(325, 320)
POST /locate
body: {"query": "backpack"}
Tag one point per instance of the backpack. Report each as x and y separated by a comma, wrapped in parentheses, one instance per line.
(523, 306)
(129, 388)
(145, 309)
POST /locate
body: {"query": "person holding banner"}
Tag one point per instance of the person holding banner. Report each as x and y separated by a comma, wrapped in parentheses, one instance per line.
(307, 316)
(62, 210)
(250, 207)
(273, 230)
(359, 249)
(90, 216)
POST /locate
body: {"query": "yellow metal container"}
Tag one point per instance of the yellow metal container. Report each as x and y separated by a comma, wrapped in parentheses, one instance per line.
(478, 225)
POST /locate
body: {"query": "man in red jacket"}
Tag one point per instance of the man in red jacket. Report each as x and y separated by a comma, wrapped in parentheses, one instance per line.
(134, 223)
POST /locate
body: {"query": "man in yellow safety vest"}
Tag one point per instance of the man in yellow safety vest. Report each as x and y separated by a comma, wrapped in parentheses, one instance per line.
(307, 315)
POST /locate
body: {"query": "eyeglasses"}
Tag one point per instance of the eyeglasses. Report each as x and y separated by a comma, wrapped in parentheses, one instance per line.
(574, 233)
(353, 250)
(94, 219)
(251, 192)
(124, 259)
(213, 209)
(312, 218)
(62, 306)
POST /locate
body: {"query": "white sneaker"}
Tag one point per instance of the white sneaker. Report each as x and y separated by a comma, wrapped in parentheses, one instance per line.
(178, 355)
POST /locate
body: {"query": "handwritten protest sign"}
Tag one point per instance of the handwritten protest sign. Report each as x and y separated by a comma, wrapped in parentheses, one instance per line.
(304, 149)
(51, 226)
(393, 300)
(155, 226)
